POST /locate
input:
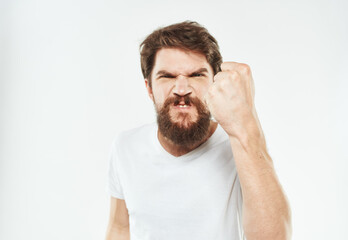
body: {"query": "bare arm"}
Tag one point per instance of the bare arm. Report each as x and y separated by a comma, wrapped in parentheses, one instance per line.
(266, 212)
(118, 227)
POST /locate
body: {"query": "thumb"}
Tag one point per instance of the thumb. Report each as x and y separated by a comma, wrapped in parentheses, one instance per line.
(206, 103)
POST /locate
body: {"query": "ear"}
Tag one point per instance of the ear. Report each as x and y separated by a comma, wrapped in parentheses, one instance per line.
(149, 89)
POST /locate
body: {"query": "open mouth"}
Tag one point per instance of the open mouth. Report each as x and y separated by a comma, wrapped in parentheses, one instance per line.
(182, 103)
(182, 106)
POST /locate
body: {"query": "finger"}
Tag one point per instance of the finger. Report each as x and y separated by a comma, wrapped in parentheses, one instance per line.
(206, 103)
(228, 66)
(241, 68)
(205, 100)
(224, 77)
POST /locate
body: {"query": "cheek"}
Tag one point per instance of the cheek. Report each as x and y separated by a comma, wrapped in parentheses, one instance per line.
(160, 94)
(203, 90)
(202, 87)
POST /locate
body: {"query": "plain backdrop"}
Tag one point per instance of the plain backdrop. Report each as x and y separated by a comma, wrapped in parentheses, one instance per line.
(71, 80)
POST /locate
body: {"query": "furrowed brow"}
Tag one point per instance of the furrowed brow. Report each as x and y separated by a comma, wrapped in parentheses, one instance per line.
(163, 72)
(201, 70)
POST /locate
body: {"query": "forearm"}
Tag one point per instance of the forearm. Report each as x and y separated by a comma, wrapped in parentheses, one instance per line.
(114, 233)
(266, 212)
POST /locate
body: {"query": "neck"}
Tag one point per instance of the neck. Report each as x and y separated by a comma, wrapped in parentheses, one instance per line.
(177, 150)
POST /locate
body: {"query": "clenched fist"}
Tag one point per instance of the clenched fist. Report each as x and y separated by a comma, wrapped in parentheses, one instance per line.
(230, 99)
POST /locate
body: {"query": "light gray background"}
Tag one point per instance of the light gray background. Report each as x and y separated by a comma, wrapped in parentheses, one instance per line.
(71, 80)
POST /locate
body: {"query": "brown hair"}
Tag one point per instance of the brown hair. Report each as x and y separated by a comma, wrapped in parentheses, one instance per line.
(185, 35)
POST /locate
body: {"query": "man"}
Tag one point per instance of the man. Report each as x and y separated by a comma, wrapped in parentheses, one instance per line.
(191, 176)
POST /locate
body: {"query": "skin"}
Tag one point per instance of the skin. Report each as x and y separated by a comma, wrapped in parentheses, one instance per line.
(266, 212)
(229, 95)
(118, 227)
(181, 73)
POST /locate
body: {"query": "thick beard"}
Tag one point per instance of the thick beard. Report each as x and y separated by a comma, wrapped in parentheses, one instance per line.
(182, 133)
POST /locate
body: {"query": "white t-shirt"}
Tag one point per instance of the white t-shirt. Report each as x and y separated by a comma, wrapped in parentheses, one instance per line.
(196, 196)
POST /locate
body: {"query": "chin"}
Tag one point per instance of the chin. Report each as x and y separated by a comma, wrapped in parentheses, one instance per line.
(184, 121)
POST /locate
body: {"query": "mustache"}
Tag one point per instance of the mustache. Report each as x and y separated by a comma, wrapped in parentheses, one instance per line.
(190, 101)
(177, 99)
(183, 136)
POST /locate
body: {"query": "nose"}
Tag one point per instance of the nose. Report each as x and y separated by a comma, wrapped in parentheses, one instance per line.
(182, 86)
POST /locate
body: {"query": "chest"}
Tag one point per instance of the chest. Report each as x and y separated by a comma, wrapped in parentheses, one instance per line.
(192, 189)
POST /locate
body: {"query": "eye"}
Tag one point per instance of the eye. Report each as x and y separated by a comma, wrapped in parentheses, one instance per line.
(197, 75)
(166, 76)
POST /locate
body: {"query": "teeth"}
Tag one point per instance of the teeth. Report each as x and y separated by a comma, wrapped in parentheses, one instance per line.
(183, 106)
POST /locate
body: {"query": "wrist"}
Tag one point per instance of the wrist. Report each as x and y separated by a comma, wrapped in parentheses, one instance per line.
(250, 135)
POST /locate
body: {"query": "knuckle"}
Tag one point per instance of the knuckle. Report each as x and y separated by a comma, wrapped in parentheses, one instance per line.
(217, 76)
(224, 65)
(234, 75)
(224, 84)
(244, 68)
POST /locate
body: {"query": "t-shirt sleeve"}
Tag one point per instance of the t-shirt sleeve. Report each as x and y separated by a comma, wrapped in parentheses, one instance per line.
(113, 185)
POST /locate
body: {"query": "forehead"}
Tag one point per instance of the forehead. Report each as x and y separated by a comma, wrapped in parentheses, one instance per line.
(178, 61)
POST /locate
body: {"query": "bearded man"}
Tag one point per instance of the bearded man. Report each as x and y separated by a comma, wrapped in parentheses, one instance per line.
(203, 170)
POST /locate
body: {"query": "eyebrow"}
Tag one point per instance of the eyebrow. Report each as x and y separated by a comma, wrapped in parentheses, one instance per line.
(164, 72)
